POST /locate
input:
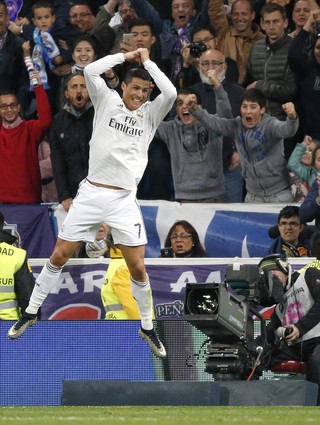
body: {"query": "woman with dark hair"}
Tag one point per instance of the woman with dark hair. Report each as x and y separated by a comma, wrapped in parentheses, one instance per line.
(183, 239)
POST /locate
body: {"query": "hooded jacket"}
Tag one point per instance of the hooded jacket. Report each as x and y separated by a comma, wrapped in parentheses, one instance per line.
(261, 152)
(196, 155)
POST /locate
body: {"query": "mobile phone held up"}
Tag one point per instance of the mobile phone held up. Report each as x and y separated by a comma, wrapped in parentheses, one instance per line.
(166, 252)
(127, 39)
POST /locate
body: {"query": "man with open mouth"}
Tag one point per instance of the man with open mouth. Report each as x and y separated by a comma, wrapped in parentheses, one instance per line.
(259, 141)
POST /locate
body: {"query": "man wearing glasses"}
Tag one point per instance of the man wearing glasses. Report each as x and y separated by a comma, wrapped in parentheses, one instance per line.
(19, 140)
(213, 59)
(82, 18)
(293, 239)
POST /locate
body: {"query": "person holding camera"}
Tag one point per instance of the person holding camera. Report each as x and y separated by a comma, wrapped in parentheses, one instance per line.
(294, 329)
(174, 33)
(203, 39)
(183, 241)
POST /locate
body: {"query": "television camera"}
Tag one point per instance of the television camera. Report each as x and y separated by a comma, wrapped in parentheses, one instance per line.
(225, 312)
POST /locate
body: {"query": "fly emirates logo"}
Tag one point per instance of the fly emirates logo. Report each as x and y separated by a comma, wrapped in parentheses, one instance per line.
(128, 127)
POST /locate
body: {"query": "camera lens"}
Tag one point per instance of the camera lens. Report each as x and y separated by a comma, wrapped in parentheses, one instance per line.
(203, 302)
(196, 49)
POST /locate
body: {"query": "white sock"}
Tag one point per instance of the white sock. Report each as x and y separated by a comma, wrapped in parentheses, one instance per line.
(141, 291)
(46, 280)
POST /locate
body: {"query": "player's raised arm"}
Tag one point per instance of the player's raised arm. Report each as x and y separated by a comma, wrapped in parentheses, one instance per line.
(164, 102)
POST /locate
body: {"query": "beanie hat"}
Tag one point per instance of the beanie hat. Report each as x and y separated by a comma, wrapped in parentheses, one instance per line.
(274, 262)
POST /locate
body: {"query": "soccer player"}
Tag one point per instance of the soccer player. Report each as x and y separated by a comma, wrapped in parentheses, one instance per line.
(122, 131)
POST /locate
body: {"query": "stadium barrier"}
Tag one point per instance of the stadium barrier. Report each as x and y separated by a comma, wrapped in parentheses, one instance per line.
(35, 367)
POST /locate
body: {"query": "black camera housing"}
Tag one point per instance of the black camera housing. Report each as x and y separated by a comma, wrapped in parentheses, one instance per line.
(166, 252)
(196, 49)
(224, 312)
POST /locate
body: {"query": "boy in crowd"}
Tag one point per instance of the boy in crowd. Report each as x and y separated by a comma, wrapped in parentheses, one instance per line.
(259, 141)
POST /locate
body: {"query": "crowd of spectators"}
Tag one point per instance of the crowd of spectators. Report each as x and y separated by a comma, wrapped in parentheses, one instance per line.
(264, 45)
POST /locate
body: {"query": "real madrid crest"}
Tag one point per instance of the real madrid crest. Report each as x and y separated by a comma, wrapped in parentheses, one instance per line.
(139, 113)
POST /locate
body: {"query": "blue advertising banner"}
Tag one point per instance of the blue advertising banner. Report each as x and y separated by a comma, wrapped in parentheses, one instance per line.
(225, 230)
(77, 295)
(32, 226)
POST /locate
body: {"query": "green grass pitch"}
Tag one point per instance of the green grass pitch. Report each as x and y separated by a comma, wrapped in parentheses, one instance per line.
(164, 415)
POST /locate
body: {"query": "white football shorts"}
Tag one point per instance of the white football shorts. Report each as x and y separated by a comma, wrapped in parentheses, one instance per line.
(93, 205)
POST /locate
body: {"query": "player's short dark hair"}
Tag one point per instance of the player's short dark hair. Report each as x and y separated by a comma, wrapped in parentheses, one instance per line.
(288, 211)
(189, 90)
(140, 73)
(254, 95)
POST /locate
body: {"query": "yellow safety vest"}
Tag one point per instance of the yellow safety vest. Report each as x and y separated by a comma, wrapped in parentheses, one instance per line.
(11, 260)
(315, 264)
(116, 293)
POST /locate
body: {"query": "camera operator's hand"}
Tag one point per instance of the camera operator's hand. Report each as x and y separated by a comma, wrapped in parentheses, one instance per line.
(294, 335)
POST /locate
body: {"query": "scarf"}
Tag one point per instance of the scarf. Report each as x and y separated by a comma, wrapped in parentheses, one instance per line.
(77, 68)
(177, 49)
(45, 49)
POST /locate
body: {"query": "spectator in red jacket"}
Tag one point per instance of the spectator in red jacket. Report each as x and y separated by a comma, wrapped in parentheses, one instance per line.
(20, 181)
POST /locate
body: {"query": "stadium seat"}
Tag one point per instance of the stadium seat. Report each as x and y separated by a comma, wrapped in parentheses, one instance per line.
(290, 368)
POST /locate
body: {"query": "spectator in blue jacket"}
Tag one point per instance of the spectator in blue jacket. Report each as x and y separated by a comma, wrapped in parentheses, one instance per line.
(310, 207)
(292, 239)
